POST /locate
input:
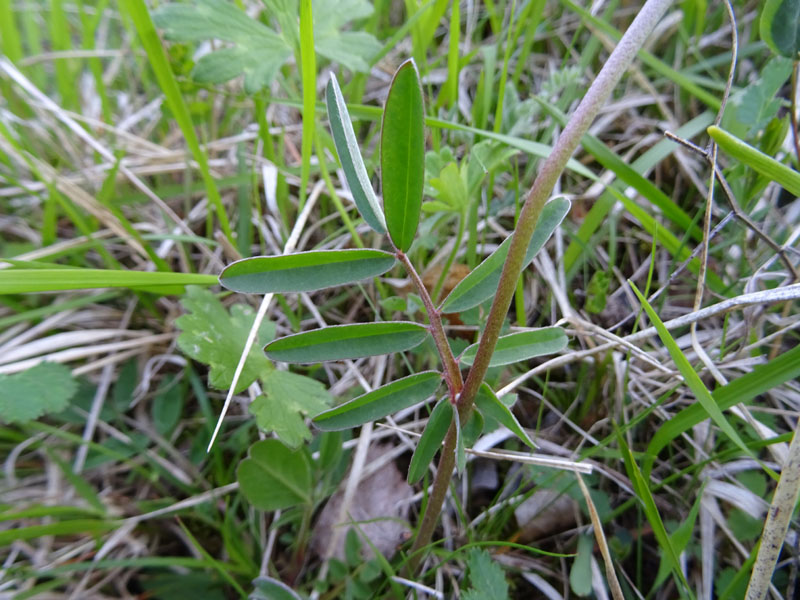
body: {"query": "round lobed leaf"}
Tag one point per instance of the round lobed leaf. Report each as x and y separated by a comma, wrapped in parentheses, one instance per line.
(273, 477)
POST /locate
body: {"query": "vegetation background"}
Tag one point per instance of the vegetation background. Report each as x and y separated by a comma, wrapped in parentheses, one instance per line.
(145, 147)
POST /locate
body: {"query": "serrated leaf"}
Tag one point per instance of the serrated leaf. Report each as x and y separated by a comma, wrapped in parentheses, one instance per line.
(215, 337)
(341, 342)
(485, 577)
(523, 345)
(273, 477)
(304, 271)
(258, 52)
(403, 155)
(451, 189)
(491, 406)
(287, 399)
(381, 402)
(481, 284)
(780, 27)
(43, 389)
(352, 49)
(355, 172)
(431, 440)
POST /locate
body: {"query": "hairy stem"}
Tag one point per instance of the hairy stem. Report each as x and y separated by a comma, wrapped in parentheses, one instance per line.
(550, 171)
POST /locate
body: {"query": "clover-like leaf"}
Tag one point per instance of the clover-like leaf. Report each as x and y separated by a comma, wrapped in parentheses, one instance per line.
(780, 27)
(273, 477)
(257, 53)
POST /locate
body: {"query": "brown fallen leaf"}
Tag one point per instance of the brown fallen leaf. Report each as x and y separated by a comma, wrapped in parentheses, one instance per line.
(379, 511)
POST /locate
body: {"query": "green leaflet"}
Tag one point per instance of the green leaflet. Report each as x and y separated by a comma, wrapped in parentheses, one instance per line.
(304, 271)
(520, 346)
(780, 27)
(381, 402)
(431, 440)
(756, 160)
(350, 156)
(490, 405)
(403, 155)
(481, 284)
(347, 341)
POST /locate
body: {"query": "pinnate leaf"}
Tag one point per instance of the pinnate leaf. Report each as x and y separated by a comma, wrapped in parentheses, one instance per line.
(486, 577)
(341, 342)
(380, 402)
(403, 155)
(304, 271)
(45, 388)
(523, 345)
(481, 284)
(273, 477)
(215, 337)
(431, 440)
(350, 156)
(287, 399)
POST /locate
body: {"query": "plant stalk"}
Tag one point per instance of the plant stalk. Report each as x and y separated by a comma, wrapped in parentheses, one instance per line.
(596, 96)
(452, 373)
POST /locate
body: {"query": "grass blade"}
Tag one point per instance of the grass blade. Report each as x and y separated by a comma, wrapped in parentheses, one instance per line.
(690, 376)
(23, 281)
